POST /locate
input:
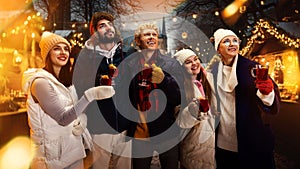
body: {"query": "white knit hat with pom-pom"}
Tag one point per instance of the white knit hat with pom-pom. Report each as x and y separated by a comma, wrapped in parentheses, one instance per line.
(48, 40)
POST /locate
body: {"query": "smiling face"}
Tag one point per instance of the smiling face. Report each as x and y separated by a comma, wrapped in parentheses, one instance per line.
(229, 48)
(148, 39)
(192, 65)
(59, 55)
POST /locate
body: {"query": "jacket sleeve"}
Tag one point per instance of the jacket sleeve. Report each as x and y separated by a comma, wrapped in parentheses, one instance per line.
(49, 101)
(172, 84)
(185, 119)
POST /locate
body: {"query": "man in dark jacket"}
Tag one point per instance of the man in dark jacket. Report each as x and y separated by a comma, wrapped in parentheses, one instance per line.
(98, 62)
(150, 91)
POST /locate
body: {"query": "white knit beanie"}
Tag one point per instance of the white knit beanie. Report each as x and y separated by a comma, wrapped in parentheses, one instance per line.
(220, 34)
(183, 54)
(48, 40)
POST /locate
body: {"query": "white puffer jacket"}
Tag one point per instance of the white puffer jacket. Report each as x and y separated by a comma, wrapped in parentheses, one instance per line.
(197, 149)
(53, 143)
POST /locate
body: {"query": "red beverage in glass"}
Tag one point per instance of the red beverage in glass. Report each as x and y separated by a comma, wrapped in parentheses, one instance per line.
(105, 80)
(262, 73)
(112, 70)
(146, 75)
(203, 104)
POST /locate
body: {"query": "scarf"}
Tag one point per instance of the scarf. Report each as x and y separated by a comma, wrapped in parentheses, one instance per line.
(144, 101)
(200, 87)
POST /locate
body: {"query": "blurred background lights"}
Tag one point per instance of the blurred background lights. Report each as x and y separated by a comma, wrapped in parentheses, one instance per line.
(16, 154)
(184, 35)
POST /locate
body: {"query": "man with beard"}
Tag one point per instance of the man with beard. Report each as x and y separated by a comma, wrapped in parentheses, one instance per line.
(97, 65)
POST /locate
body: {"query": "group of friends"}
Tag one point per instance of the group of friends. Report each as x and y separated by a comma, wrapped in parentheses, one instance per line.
(193, 118)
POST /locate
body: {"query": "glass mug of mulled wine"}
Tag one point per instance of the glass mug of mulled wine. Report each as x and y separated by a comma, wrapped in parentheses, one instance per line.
(260, 72)
(203, 104)
(146, 75)
(112, 73)
(105, 80)
(112, 70)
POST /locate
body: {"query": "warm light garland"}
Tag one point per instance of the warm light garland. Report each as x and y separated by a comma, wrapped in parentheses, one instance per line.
(77, 40)
(260, 29)
(32, 23)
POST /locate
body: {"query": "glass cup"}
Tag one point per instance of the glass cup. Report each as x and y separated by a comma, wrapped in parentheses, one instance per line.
(260, 72)
(203, 104)
(112, 70)
(112, 73)
(105, 80)
(146, 76)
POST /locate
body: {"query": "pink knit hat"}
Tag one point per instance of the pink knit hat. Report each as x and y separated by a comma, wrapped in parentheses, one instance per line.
(48, 40)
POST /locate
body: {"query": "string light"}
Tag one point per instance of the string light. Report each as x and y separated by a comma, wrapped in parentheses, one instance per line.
(77, 40)
(260, 29)
(32, 23)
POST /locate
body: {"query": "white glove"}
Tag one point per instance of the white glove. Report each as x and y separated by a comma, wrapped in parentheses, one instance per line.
(203, 116)
(79, 125)
(99, 93)
(193, 108)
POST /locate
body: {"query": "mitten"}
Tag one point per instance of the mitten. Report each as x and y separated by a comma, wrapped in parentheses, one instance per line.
(99, 93)
(264, 86)
(157, 74)
(203, 116)
(79, 125)
(193, 108)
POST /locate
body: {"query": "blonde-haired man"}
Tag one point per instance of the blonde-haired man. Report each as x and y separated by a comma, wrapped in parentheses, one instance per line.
(152, 100)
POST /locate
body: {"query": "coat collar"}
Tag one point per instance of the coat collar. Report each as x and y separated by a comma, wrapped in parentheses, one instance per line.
(136, 56)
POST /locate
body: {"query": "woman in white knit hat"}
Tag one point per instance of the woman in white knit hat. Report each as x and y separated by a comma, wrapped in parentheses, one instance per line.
(244, 137)
(55, 115)
(197, 148)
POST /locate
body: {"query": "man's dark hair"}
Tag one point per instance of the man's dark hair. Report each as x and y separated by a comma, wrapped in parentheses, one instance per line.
(97, 17)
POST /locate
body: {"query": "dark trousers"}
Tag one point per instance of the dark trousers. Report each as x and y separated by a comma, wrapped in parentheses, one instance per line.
(168, 159)
(226, 159)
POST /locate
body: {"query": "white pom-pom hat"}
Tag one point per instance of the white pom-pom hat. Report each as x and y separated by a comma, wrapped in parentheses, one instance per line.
(183, 54)
(48, 40)
(221, 34)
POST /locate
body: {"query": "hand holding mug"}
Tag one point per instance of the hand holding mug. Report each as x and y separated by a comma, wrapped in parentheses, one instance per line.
(157, 74)
(199, 108)
(193, 108)
(263, 83)
(203, 104)
(264, 86)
